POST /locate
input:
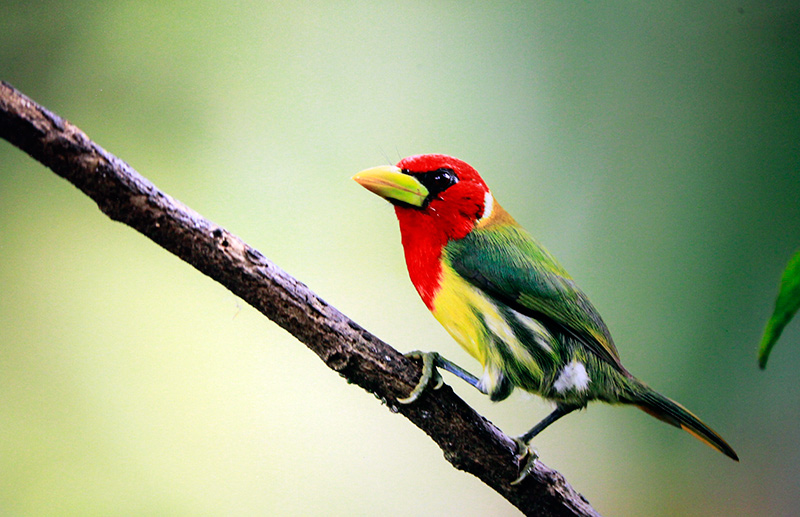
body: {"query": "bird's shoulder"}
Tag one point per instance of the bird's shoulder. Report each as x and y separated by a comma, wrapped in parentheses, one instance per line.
(507, 263)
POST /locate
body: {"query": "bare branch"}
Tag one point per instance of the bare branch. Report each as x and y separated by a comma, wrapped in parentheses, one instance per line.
(470, 442)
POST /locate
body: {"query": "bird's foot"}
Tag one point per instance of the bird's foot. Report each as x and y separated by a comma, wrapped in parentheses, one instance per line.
(527, 458)
(429, 374)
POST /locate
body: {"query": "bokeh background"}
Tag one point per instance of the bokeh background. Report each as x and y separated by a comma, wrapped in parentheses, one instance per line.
(655, 149)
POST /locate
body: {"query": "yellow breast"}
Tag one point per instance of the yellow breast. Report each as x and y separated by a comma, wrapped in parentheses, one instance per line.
(457, 306)
(487, 333)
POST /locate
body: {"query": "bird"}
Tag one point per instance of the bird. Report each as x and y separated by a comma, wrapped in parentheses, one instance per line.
(507, 301)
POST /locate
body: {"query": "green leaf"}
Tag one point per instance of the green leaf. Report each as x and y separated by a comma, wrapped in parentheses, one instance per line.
(785, 307)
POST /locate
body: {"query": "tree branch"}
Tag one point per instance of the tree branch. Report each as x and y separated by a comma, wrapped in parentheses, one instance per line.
(470, 442)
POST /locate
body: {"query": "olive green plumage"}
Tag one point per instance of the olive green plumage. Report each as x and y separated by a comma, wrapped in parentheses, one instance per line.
(505, 263)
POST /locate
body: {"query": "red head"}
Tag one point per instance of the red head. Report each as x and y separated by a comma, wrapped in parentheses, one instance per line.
(457, 196)
(437, 198)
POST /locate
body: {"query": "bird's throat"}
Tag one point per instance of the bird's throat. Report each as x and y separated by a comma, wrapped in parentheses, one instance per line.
(423, 243)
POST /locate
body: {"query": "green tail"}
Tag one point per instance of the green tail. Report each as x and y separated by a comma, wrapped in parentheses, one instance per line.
(673, 413)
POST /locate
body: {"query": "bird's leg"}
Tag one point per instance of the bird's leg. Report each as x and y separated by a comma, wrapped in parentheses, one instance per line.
(558, 412)
(430, 361)
(459, 372)
(525, 452)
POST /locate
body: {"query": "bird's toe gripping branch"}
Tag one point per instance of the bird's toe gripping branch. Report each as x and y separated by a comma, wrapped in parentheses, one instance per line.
(430, 362)
(526, 458)
(429, 373)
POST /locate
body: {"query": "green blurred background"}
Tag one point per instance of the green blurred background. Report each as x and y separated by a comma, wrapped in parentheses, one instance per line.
(655, 149)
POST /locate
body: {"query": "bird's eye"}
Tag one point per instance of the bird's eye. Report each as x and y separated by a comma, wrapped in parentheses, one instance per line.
(439, 180)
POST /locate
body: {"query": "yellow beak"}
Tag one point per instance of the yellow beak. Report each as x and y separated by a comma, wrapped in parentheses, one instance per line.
(390, 183)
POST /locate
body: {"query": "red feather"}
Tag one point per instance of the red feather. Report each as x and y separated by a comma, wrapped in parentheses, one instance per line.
(450, 216)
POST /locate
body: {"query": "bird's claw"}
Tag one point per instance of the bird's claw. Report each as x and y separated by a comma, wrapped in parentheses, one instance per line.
(527, 458)
(429, 373)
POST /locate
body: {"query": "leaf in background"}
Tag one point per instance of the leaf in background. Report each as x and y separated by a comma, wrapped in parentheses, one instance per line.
(785, 306)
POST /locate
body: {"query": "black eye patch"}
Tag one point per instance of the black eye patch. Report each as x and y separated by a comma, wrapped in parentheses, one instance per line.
(436, 181)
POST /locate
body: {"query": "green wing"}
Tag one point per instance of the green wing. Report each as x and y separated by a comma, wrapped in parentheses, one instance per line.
(508, 264)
